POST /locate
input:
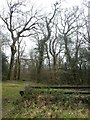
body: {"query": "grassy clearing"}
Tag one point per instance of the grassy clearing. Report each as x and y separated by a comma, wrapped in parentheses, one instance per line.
(10, 92)
(39, 105)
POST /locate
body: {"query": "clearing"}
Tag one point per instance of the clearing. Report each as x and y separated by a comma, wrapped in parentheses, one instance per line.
(13, 106)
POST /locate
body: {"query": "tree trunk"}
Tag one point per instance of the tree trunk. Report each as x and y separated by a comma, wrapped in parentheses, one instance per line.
(18, 62)
(11, 67)
(13, 51)
(67, 49)
(15, 70)
(48, 57)
(18, 77)
(54, 67)
(40, 66)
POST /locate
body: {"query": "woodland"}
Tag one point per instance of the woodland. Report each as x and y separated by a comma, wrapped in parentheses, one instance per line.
(61, 37)
(60, 56)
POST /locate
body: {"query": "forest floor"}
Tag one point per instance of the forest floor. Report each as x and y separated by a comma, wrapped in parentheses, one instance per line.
(14, 107)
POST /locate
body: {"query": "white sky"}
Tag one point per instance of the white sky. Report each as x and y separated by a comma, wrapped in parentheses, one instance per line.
(47, 3)
(43, 4)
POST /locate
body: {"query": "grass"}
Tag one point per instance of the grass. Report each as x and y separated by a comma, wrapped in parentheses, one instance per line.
(10, 92)
(14, 105)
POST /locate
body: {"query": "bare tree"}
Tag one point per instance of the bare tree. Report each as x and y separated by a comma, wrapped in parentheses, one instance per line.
(55, 47)
(19, 23)
(17, 66)
(48, 55)
(69, 31)
(71, 23)
(45, 30)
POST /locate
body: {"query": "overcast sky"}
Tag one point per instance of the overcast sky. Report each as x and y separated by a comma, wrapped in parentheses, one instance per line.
(47, 5)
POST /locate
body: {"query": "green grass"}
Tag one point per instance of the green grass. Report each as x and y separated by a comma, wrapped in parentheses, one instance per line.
(14, 107)
(10, 92)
